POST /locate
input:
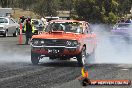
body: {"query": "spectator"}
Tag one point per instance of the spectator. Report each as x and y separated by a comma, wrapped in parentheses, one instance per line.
(29, 30)
(22, 19)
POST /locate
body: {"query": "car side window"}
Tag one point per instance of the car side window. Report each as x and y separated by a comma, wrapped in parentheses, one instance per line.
(5, 21)
(87, 29)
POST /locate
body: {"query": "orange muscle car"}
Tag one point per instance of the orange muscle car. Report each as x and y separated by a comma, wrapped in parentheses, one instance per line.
(64, 39)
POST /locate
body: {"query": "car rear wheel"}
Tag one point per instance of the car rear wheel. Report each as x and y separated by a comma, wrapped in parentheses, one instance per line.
(34, 58)
(15, 34)
(81, 58)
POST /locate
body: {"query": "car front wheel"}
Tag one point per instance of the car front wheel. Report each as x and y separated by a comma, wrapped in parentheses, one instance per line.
(34, 58)
(5, 34)
(81, 58)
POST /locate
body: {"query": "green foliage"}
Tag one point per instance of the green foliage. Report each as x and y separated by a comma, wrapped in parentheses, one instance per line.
(112, 17)
(46, 8)
(106, 11)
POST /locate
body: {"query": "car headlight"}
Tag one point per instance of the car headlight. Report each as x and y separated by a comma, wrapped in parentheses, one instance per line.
(42, 41)
(71, 43)
(37, 42)
(68, 43)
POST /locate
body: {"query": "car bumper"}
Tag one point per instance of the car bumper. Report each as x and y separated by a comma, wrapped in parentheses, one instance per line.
(56, 51)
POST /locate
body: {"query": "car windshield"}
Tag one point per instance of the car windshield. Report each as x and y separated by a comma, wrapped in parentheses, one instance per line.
(125, 25)
(3, 20)
(75, 27)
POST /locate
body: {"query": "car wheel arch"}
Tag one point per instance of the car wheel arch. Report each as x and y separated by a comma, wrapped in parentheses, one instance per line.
(6, 30)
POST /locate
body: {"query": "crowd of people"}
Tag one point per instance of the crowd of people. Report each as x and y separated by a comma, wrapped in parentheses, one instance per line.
(28, 27)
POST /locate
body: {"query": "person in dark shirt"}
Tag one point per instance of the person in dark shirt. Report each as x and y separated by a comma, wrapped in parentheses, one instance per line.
(29, 30)
(22, 18)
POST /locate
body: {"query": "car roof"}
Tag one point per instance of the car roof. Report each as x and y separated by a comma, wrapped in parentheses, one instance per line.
(5, 17)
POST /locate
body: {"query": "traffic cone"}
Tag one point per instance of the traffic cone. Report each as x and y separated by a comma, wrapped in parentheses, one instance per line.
(20, 37)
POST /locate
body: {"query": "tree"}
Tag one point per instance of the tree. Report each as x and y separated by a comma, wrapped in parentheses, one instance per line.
(46, 7)
(5, 3)
(96, 10)
(124, 6)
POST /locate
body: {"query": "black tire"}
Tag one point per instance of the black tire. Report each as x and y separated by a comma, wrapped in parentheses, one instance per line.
(34, 58)
(81, 58)
(51, 58)
(15, 33)
(5, 35)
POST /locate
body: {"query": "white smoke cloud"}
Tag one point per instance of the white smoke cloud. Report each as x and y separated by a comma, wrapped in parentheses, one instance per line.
(14, 54)
(111, 49)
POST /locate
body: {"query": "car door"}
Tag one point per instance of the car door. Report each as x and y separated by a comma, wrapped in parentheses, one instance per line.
(12, 26)
(8, 26)
(88, 40)
(91, 38)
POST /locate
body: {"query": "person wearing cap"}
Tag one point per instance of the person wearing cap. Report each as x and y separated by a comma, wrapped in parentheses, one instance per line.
(29, 30)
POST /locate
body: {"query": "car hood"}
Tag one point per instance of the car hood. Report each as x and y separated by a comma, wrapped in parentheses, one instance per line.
(2, 25)
(68, 36)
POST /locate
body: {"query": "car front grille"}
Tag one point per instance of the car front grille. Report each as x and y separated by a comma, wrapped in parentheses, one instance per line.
(1, 28)
(54, 42)
(51, 42)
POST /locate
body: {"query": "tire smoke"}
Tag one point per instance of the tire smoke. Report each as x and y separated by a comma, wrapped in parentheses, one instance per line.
(111, 49)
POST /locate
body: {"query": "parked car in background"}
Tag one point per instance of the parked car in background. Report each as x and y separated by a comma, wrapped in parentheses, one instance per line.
(38, 25)
(8, 26)
(123, 30)
(64, 39)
